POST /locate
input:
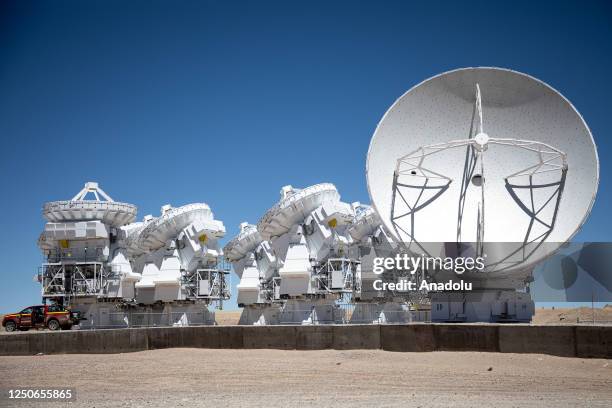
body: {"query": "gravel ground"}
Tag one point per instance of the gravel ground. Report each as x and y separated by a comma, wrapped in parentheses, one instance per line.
(270, 378)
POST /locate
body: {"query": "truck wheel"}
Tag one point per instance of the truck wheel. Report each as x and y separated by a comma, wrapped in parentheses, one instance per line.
(53, 324)
(10, 326)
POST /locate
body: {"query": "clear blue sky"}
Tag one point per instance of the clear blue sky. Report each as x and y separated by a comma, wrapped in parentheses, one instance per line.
(225, 102)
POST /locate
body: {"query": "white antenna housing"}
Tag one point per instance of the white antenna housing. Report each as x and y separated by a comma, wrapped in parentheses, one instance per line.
(487, 162)
(483, 156)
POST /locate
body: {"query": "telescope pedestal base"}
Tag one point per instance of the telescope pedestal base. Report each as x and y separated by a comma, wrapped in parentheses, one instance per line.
(260, 315)
(495, 306)
(381, 313)
(311, 311)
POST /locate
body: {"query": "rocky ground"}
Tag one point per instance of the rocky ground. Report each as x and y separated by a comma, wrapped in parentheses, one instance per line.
(270, 378)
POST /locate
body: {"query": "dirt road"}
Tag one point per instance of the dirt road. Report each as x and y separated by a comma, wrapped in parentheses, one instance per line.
(270, 378)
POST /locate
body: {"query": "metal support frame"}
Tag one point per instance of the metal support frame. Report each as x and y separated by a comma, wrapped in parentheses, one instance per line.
(74, 279)
(95, 189)
(276, 283)
(348, 268)
(218, 287)
(424, 180)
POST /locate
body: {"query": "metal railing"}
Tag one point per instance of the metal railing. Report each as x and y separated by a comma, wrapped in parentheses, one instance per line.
(340, 313)
(352, 313)
(75, 279)
(68, 255)
(130, 319)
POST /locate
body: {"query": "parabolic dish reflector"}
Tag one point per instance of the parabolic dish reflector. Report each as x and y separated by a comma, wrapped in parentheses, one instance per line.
(243, 244)
(112, 213)
(101, 208)
(483, 155)
(155, 234)
(365, 224)
(294, 208)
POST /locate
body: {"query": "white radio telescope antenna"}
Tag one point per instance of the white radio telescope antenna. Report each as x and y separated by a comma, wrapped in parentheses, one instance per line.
(482, 156)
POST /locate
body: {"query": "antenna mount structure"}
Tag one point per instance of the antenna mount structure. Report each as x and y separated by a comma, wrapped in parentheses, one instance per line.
(413, 177)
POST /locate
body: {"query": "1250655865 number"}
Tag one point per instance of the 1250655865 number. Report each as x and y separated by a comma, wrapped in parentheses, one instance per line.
(58, 394)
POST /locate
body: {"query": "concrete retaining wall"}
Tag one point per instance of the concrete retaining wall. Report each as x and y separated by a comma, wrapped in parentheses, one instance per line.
(464, 337)
(593, 341)
(414, 337)
(569, 341)
(555, 340)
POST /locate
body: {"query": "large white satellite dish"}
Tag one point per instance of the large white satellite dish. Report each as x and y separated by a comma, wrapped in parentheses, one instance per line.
(365, 223)
(243, 244)
(294, 206)
(79, 208)
(483, 156)
(156, 233)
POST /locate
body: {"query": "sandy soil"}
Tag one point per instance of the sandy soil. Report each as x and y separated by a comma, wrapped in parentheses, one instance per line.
(269, 378)
(573, 316)
(227, 317)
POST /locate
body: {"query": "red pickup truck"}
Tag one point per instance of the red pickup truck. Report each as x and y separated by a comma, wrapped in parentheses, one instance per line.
(53, 317)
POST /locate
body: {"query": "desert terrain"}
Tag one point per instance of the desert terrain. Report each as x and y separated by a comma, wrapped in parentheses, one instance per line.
(270, 378)
(227, 317)
(573, 315)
